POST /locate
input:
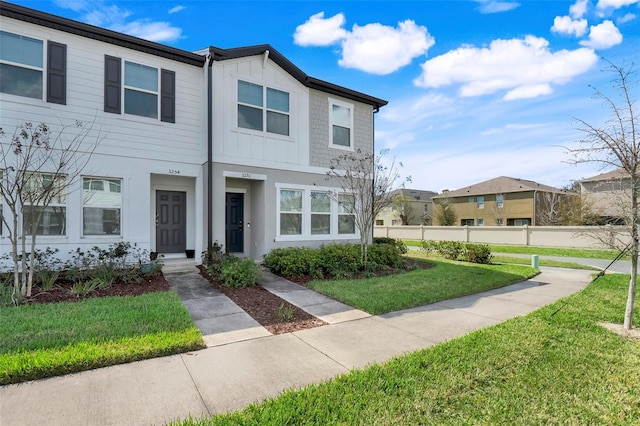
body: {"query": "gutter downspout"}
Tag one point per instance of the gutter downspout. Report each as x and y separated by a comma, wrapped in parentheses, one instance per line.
(208, 65)
(535, 212)
(373, 181)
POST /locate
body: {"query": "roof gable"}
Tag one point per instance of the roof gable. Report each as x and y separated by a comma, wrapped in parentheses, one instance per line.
(218, 54)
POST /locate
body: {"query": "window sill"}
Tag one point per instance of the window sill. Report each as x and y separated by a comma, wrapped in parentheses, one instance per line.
(263, 134)
(342, 148)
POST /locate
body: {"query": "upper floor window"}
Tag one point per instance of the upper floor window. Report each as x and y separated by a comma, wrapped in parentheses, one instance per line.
(253, 113)
(146, 90)
(22, 68)
(480, 202)
(341, 123)
(140, 90)
(500, 201)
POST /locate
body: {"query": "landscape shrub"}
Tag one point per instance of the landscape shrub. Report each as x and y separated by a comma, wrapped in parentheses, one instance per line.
(477, 253)
(340, 260)
(383, 254)
(236, 272)
(293, 261)
(398, 243)
(212, 259)
(450, 249)
(430, 246)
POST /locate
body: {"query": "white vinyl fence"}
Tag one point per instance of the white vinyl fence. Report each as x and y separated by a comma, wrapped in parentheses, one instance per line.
(539, 236)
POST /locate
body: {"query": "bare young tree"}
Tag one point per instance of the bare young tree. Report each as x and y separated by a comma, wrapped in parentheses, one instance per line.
(445, 214)
(403, 204)
(39, 166)
(367, 186)
(616, 144)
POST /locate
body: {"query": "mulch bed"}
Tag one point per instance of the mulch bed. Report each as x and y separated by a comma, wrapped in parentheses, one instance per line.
(61, 292)
(263, 306)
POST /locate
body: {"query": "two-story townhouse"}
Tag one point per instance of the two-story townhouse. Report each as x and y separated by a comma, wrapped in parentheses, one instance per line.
(143, 101)
(275, 130)
(502, 201)
(218, 145)
(608, 196)
(414, 204)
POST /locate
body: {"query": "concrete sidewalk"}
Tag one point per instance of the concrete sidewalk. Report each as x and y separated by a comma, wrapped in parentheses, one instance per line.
(230, 376)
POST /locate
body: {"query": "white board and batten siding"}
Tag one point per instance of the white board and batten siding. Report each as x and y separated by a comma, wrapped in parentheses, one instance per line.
(235, 145)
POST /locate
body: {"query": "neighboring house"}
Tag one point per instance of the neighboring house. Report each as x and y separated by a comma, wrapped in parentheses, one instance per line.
(414, 205)
(608, 196)
(502, 201)
(226, 145)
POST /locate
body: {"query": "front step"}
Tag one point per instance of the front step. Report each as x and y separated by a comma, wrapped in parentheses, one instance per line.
(179, 266)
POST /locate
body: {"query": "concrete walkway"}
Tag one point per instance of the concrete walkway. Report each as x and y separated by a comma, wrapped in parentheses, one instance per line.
(230, 376)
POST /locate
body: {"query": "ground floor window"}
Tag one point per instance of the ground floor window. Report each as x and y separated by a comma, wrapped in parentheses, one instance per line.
(45, 198)
(314, 213)
(101, 206)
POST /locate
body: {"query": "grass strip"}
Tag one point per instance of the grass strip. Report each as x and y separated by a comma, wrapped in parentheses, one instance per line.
(44, 340)
(445, 280)
(544, 251)
(542, 262)
(536, 369)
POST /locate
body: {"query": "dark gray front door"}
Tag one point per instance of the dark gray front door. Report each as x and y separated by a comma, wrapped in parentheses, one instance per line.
(234, 215)
(171, 222)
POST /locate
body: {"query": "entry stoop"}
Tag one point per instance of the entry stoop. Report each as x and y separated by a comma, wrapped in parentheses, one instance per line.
(179, 266)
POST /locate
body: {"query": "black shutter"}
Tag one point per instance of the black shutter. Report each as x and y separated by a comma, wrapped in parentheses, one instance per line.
(112, 84)
(168, 96)
(56, 73)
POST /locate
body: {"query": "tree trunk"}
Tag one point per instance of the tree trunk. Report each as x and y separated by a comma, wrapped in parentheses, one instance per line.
(628, 314)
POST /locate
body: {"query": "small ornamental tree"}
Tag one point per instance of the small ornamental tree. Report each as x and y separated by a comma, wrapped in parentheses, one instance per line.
(404, 207)
(445, 214)
(39, 166)
(616, 144)
(364, 176)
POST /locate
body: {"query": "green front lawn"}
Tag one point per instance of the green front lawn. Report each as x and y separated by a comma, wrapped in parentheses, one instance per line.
(43, 340)
(543, 262)
(445, 280)
(531, 370)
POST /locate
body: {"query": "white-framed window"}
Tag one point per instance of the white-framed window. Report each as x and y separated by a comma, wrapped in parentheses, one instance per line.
(140, 90)
(320, 213)
(520, 222)
(341, 124)
(254, 113)
(379, 222)
(499, 222)
(481, 202)
(21, 65)
(101, 206)
(53, 216)
(346, 214)
(472, 199)
(480, 222)
(290, 211)
(467, 222)
(500, 201)
(314, 213)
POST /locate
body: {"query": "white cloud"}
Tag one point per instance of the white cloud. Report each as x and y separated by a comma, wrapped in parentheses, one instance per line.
(176, 9)
(148, 30)
(115, 18)
(566, 25)
(578, 9)
(496, 6)
(373, 48)
(380, 49)
(603, 36)
(626, 18)
(318, 31)
(614, 4)
(525, 68)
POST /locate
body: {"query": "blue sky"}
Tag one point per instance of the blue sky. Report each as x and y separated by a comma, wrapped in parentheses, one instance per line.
(476, 89)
